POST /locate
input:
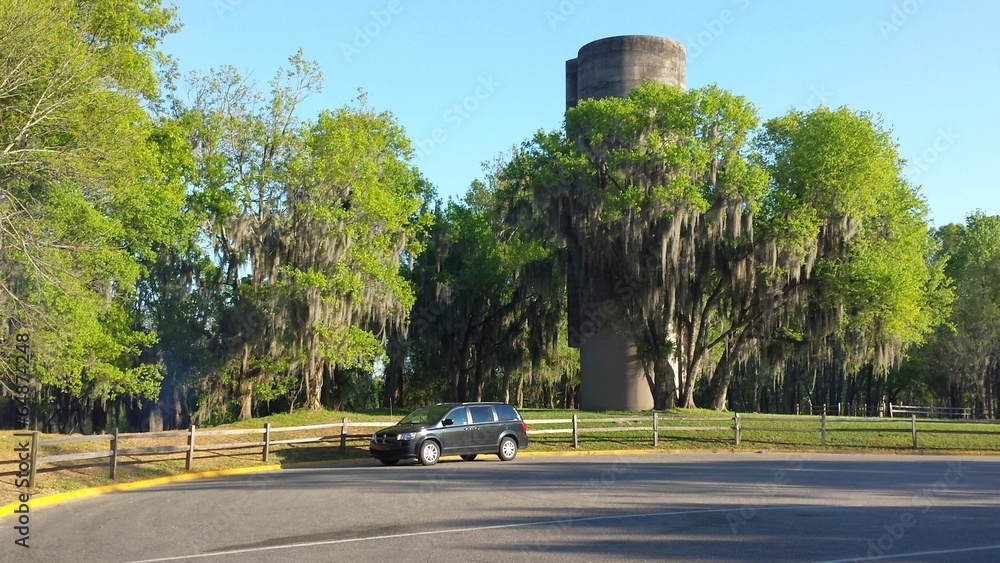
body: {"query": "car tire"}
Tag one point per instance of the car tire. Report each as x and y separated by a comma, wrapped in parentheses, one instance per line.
(389, 461)
(468, 457)
(430, 452)
(508, 449)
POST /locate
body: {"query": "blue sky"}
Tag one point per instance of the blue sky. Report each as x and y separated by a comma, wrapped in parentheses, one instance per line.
(469, 80)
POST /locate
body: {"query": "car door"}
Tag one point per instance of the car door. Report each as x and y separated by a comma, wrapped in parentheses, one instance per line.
(485, 429)
(457, 436)
(510, 421)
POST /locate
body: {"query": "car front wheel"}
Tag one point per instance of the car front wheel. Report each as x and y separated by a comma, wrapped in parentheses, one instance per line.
(430, 451)
(508, 449)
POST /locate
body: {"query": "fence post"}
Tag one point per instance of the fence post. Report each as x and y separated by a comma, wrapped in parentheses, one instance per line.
(913, 428)
(576, 437)
(34, 459)
(736, 427)
(822, 427)
(343, 436)
(114, 453)
(890, 410)
(190, 450)
(656, 429)
(267, 441)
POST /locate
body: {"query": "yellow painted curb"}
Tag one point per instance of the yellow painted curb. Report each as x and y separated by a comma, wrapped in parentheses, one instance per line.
(47, 500)
(94, 491)
(56, 498)
(557, 453)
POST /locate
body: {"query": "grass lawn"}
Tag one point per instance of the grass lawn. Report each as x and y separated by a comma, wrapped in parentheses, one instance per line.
(596, 432)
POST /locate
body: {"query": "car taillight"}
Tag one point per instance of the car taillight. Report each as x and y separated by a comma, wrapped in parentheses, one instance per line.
(524, 427)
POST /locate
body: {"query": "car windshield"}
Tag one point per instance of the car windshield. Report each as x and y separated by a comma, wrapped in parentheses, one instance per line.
(423, 415)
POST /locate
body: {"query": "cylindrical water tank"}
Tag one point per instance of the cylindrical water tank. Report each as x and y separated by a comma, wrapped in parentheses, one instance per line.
(614, 65)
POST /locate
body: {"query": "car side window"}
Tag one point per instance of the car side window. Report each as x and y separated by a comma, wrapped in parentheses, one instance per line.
(458, 416)
(506, 412)
(481, 414)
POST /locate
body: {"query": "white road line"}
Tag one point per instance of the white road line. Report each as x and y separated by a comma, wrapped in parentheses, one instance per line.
(915, 554)
(471, 529)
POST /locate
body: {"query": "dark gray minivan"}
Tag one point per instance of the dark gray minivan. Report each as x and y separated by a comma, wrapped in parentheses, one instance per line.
(464, 429)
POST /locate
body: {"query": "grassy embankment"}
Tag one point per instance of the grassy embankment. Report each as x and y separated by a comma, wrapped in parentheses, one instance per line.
(844, 434)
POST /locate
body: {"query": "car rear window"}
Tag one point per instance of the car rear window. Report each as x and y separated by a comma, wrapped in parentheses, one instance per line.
(481, 414)
(506, 412)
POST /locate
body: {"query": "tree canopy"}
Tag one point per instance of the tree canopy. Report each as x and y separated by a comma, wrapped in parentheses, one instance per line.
(797, 246)
(195, 250)
(84, 197)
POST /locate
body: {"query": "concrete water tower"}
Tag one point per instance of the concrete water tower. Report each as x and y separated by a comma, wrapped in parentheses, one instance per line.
(614, 65)
(611, 377)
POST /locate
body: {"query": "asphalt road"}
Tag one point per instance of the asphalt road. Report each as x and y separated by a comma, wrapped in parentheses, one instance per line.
(683, 507)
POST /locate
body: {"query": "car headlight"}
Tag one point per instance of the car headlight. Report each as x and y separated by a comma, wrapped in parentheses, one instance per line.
(375, 437)
(406, 436)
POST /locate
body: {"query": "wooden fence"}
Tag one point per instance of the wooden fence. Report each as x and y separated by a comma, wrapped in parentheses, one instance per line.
(575, 426)
(930, 411)
(890, 410)
(190, 447)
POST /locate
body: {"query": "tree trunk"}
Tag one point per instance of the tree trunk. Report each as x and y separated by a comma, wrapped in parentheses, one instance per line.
(479, 390)
(314, 381)
(336, 386)
(567, 391)
(244, 398)
(180, 410)
(725, 370)
(548, 395)
(244, 388)
(664, 383)
(99, 417)
(155, 419)
(719, 386)
(392, 393)
(687, 397)
(461, 391)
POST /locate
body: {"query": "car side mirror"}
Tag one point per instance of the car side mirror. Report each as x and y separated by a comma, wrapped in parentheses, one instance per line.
(447, 422)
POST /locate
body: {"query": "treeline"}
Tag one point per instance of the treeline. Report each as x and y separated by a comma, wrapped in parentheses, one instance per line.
(193, 250)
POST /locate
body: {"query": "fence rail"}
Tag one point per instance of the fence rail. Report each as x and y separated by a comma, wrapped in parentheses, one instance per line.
(887, 410)
(737, 425)
(931, 411)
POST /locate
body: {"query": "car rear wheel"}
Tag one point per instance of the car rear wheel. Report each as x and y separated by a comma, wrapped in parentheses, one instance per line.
(389, 461)
(508, 449)
(468, 457)
(430, 451)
